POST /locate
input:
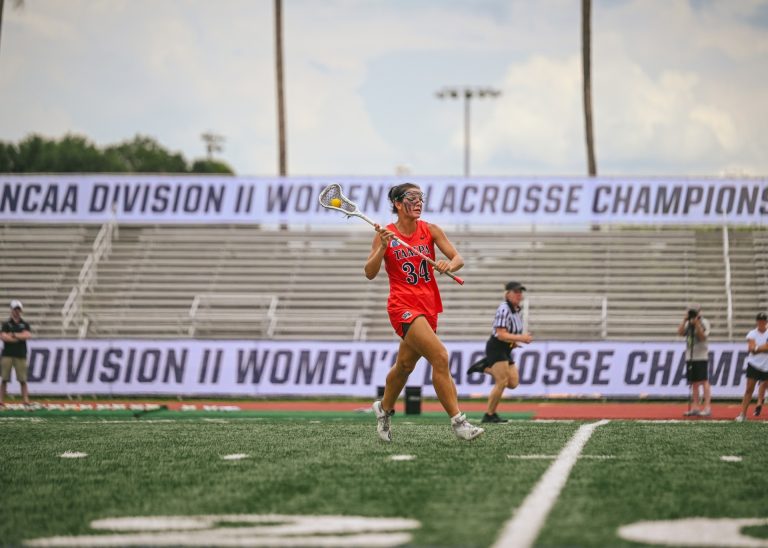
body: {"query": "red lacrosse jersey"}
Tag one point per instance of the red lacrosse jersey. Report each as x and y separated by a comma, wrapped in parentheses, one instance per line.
(412, 284)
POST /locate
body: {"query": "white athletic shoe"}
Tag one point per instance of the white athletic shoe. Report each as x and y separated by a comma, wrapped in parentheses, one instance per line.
(463, 429)
(383, 426)
(740, 418)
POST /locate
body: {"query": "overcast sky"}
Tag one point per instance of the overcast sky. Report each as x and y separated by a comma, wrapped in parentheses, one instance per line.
(680, 87)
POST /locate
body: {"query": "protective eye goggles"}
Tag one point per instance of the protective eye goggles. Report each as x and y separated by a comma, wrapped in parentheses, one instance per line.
(414, 196)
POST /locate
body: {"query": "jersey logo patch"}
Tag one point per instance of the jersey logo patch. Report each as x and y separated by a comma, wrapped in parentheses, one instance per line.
(394, 243)
(406, 315)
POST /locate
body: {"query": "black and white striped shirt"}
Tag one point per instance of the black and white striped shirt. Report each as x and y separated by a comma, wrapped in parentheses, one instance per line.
(505, 318)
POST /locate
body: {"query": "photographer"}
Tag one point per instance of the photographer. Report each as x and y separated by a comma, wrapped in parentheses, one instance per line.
(695, 328)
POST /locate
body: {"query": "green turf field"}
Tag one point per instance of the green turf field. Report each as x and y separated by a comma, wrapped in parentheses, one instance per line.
(461, 494)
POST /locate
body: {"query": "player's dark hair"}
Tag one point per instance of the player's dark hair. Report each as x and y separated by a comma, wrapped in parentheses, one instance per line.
(397, 192)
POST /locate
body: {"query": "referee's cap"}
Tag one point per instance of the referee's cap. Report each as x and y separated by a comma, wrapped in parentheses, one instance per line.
(514, 286)
(761, 316)
(15, 303)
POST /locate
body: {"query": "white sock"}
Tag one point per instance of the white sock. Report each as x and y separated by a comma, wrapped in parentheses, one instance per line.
(456, 417)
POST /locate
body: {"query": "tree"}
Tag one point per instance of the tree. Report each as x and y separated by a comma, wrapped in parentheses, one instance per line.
(72, 154)
(145, 155)
(76, 154)
(9, 155)
(211, 166)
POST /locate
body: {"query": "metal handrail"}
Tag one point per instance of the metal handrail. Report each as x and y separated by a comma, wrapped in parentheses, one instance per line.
(70, 307)
(87, 279)
(728, 288)
(361, 331)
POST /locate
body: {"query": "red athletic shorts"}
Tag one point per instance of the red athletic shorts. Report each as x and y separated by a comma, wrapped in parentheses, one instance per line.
(401, 319)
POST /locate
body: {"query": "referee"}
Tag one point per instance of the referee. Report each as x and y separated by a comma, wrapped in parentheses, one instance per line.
(507, 333)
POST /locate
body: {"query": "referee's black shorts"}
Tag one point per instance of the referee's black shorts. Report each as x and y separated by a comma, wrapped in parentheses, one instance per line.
(697, 370)
(754, 373)
(498, 351)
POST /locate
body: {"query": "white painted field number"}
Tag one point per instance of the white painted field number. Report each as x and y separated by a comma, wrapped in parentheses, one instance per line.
(241, 530)
(694, 532)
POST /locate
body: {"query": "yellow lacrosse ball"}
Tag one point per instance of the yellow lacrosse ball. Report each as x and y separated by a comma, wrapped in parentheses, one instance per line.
(335, 202)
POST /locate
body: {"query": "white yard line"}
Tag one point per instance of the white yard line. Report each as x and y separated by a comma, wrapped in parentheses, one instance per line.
(683, 421)
(552, 457)
(235, 456)
(121, 421)
(73, 455)
(524, 526)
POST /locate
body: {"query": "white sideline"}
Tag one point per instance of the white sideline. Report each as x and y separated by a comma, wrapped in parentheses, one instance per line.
(524, 526)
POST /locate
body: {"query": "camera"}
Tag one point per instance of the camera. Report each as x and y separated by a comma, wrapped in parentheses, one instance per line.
(693, 314)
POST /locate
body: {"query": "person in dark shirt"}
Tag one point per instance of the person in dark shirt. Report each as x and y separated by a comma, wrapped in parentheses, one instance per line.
(15, 334)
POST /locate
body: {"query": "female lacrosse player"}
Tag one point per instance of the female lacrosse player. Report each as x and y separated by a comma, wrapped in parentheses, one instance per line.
(414, 303)
(757, 362)
(508, 332)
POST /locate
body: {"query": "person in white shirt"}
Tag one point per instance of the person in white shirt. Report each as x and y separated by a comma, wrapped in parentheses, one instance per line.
(757, 361)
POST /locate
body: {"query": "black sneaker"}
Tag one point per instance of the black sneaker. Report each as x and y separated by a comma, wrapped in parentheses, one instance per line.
(478, 367)
(493, 418)
(757, 410)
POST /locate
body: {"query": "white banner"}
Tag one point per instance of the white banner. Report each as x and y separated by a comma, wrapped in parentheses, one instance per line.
(219, 199)
(273, 368)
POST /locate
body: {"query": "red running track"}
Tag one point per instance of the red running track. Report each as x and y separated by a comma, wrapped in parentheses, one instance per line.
(540, 410)
(561, 410)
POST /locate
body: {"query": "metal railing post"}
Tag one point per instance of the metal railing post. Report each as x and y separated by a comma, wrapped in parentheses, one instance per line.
(604, 318)
(87, 278)
(728, 289)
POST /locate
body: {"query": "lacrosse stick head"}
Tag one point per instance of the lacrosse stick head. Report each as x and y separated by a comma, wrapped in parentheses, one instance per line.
(332, 197)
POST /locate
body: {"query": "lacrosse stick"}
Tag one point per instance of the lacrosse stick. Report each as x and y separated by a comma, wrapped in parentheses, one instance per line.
(332, 198)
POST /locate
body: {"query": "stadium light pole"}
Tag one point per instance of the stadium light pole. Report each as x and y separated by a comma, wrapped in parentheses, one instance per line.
(282, 155)
(467, 93)
(212, 143)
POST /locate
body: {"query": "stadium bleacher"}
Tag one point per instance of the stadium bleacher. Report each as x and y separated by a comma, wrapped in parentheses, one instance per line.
(250, 282)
